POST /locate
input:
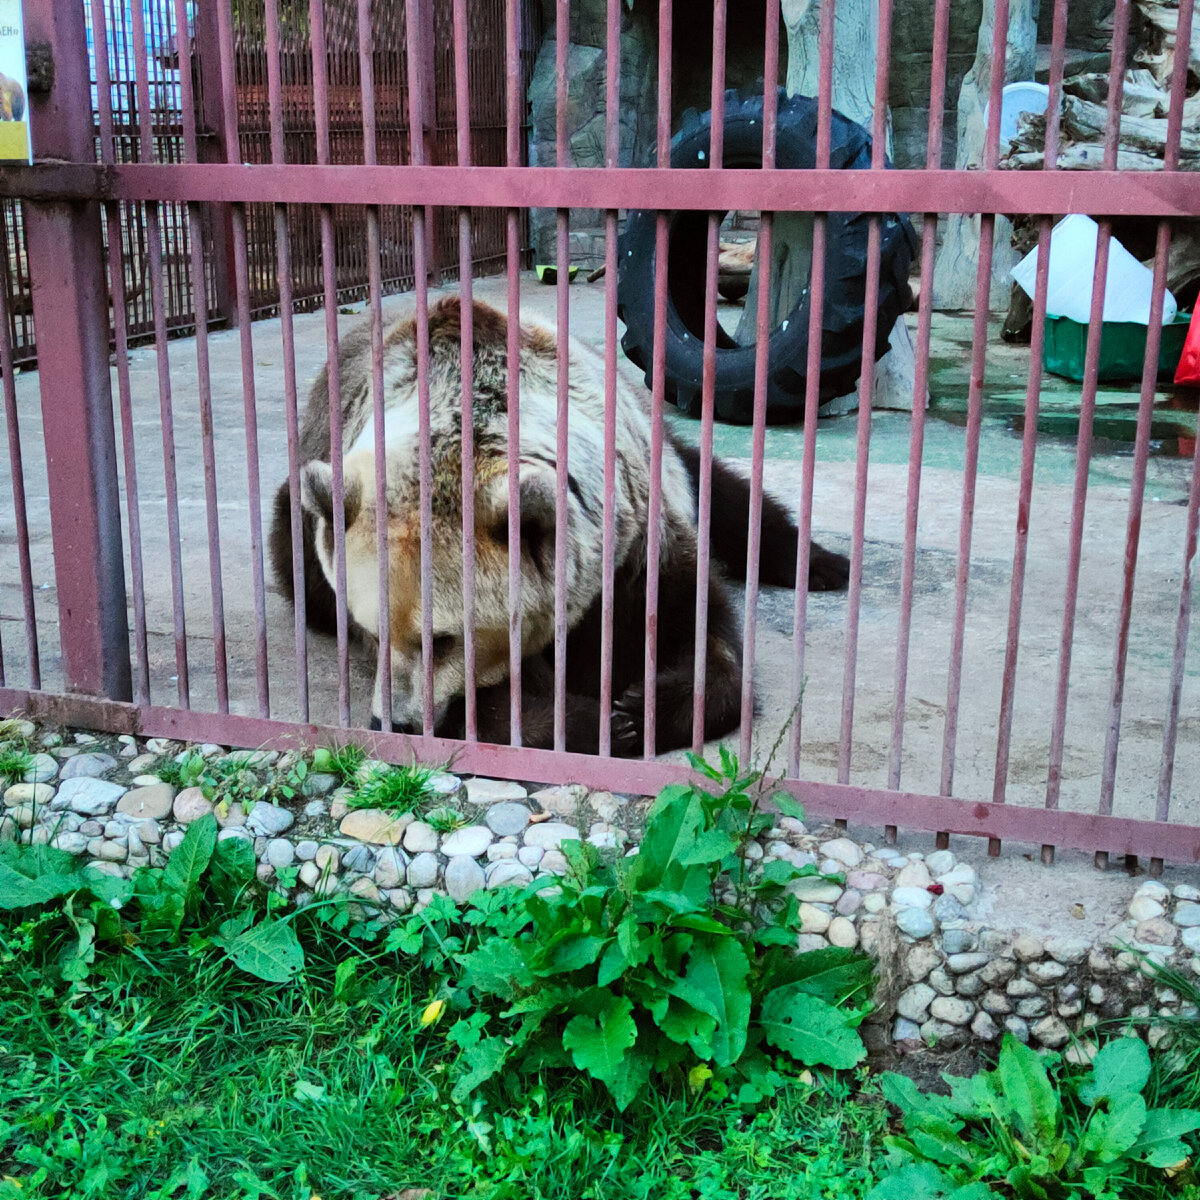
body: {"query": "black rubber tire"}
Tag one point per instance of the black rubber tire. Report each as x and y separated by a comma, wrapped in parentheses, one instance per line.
(845, 272)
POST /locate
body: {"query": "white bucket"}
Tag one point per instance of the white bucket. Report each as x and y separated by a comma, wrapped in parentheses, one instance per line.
(1019, 97)
(1128, 288)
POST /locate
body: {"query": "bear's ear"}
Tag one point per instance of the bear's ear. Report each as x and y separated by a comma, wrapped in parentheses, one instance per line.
(316, 489)
(316, 492)
(536, 493)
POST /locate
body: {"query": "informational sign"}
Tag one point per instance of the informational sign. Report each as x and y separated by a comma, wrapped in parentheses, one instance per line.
(15, 143)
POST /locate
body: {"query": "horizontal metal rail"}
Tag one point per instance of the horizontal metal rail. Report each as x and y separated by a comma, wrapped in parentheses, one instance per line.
(1101, 193)
(861, 805)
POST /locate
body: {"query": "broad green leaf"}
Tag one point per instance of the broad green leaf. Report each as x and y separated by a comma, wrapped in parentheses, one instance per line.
(939, 1140)
(701, 767)
(810, 1030)
(269, 950)
(903, 1093)
(925, 1182)
(1122, 1066)
(781, 872)
(33, 875)
(710, 847)
(699, 923)
(634, 1076)
(715, 983)
(674, 821)
(633, 944)
(833, 973)
(1159, 1143)
(232, 867)
(572, 954)
(676, 903)
(1110, 1134)
(482, 1061)
(689, 1027)
(107, 888)
(613, 964)
(162, 916)
(788, 806)
(190, 858)
(599, 1040)
(1027, 1087)
(497, 968)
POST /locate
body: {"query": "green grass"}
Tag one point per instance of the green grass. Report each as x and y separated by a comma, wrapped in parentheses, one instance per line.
(173, 1074)
(343, 761)
(15, 760)
(403, 789)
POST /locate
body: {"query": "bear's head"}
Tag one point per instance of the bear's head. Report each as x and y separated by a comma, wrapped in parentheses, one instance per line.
(445, 565)
(536, 489)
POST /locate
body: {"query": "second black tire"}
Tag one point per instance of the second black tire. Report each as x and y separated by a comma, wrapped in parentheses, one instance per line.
(845, 272)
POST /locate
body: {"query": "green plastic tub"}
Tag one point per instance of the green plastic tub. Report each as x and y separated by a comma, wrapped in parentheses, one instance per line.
(1122, 348)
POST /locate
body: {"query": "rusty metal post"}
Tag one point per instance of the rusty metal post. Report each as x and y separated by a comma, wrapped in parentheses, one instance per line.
(66, 259)
(212, 148)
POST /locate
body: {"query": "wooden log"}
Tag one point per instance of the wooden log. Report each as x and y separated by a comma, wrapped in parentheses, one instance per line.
(1082, 158)
(1140, 95)
(1163, 15)
(958, 257)
(1084, 121)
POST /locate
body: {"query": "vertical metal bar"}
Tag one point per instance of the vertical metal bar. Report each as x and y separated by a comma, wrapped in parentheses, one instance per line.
(190, 153)
(249, 406)
(658, 360)
(291, 407)
(158, 308)
(1087, 413)
(416, 124)
(366, 71)
(116, 272)
(1166, 768)
(316, 10)
(916, 446)
(708, 386)
(1137, 488)
(612, 156)
(216, 148)
(1142, 443)
(512, 20)
(1058, 44)
(462, 117)
(17, 471)
(983, 286)
(762, 252)
(865, 382)
(66, 258)
(812, 381)
(562, 30)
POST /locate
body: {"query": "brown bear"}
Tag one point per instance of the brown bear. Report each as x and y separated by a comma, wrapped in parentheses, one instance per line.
(538, 425)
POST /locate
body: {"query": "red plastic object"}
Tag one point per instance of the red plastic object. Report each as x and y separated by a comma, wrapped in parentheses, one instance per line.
(1188, 370)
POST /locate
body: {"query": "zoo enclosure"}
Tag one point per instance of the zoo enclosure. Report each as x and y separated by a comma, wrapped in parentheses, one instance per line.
(71, 202)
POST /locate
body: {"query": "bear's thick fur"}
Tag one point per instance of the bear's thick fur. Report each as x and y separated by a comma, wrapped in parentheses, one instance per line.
(584, 564)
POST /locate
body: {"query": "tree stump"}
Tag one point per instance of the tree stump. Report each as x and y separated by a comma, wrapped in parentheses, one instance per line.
(958, 257)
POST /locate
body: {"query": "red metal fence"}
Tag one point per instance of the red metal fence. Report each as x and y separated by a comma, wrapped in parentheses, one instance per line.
(168, 54)
(107, 658)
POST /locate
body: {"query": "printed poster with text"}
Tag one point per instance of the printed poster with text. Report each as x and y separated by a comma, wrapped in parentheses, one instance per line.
(15, 144)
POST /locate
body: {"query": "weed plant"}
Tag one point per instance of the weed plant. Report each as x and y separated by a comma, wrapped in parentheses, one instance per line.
(15, 760)
(397, 789)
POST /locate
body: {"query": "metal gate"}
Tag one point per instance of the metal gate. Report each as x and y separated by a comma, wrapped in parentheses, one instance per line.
(95, 477)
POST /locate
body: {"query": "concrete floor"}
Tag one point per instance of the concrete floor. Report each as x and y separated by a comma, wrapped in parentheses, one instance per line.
(1159, 566)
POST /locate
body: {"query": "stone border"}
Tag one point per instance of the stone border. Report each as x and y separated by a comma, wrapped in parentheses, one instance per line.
(946, 978)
